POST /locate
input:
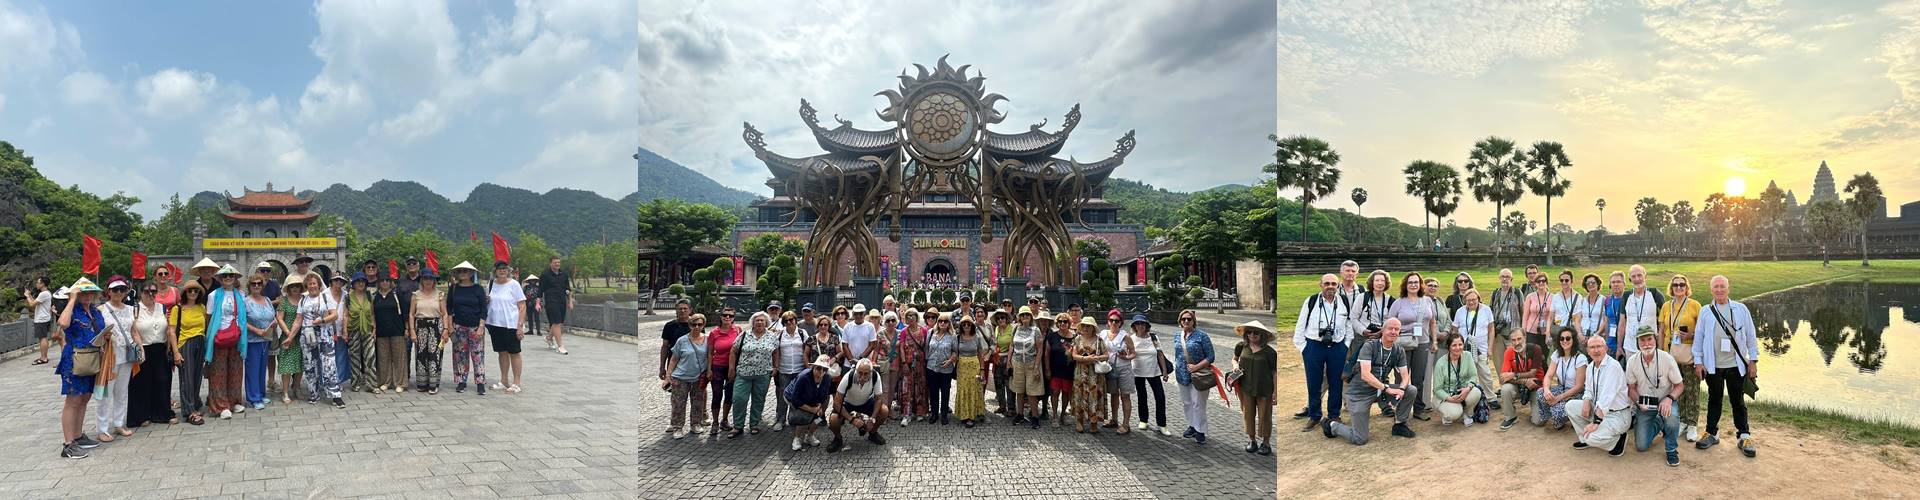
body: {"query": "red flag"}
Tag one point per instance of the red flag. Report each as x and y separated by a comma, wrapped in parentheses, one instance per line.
(473, 236)
(393, 270)
(139, 266)
(173, 271)
(89, 255)
(500, 251)
(433, 261)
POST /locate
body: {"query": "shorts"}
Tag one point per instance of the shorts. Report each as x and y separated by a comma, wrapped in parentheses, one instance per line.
(504, 339)
(556, 312)
(863, 409)
(1026, 380)
(43, 331)
(1061, 385)
(799, 417)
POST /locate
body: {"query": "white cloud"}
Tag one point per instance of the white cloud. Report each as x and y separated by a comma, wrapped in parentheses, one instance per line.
(173, 92)
(542, 63)
(422, 122)
(1439, 38)
(603, 94)
(31, 38)
(402, 50)
(1706, 34)
(250, 136)
(594, 161)
(85, 88)
(327, 102)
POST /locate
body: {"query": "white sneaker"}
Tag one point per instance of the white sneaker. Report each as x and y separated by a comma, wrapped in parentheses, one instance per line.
(239, 408)
(226, 414)
(796, 444)
(678, 434)
(1693, 434)
(1163, 431)
(903, 421)
(1466, 422)
(494, 386)
(813, 440)
(778, 426)
(1143, 426)
(563, 350)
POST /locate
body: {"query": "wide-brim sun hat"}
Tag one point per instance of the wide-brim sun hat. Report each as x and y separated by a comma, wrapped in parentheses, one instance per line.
(1088, 321)
(1139, 319)
(263, 265)
(205, 263)
(874, 313)
(1026, 311)
(61, 293)
(302, 260)
(1255, 326)
(531, 277)
(428, 274)
(83, 285)
(467, 266)
(227, 270)
(823, 361)
(859, 309)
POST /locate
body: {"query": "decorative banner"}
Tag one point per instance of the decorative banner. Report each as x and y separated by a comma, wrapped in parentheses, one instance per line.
(1140, 271)
(433, 261)
(884, 271)
(739, 270)
(1083, 267)
(953, 243)
(267, 243)
(993, 275)
(139, 266)
(89, 254)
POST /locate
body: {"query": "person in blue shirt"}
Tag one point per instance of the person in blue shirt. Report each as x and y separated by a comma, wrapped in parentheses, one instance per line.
(80, 321)
(809, 396)
(1194, 351)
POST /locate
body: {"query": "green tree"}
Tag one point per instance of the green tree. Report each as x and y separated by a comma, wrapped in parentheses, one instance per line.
(1716, 220)
(1307, 163)
(1683, 217)
(1868, 203)
(1768, 211)
(1495, 171)
(530, 253)
(1601, 203)
(402, 245)
(1359, 197)
(763, 248)
(1205, 236)
(1173, 289)
(326, 224)
(1828, 221)
(1651, 215)
(1546, 160)
(674, 227)
(706, 286)
(590, 259)
(1437, 185)
(1515, 225)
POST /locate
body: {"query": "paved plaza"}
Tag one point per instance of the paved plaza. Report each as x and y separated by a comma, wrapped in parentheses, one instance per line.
(934, 461)
(565, 436)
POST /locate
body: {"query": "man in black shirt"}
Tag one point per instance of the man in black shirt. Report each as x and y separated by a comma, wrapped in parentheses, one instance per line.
(556, 297)
(409, 281)
(672, 333)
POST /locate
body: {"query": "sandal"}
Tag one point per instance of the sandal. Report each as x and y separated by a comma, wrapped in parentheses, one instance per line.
(105, 438)
(173, 421)
(39, 361)
(126, 432)
(734, 434)
(754, 431)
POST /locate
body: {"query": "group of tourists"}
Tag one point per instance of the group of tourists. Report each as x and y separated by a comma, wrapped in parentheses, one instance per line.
(125, 343)
(1624, 361)
(867, 367)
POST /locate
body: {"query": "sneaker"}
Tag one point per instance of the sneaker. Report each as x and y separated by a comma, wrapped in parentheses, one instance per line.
(239, 408)
(1253, 446)
(1746, 446)
(226, 414)
(777, 426)
(1402, 430)
(1141, 426)
(796, 444)
(563, 350)
(86, 442)
(1266, 449)
(876, 439)
(1035, 423)
(1189, 434)
(903, 421)
(1466, 422)
(339, 404)
(1302, 414)
(460, 388)
(1200, 437)
(1163, 431)
(836, 445)
(1580, 445)
(1494, 405)
(1421, 415)
(677, 434)
(259, 406)
(1508, 423)
(1619, 447)
(1326, 428)
(1673, 459)
(74, 451)
(482, 390)
(1693, 433)
(813, 440)
(1706, 442)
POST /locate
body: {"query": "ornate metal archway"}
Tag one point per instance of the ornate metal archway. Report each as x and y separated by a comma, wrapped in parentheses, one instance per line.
(938, 142)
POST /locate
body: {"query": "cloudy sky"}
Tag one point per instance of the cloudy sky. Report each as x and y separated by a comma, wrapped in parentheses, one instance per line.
(1659, 98)
(1194, 79)
(153, 99)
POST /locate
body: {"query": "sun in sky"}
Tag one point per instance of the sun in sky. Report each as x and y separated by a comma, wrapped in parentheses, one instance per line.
(1736, 186)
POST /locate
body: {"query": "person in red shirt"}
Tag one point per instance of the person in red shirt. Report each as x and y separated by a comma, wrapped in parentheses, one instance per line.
(1521, 371)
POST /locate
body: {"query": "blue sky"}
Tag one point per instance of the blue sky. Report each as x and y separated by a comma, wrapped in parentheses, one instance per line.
(1661, 98)
(153, 99)
(1194, 79)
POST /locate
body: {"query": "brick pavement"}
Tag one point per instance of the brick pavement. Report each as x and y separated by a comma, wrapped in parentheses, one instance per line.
(934, 461)
(566, 436)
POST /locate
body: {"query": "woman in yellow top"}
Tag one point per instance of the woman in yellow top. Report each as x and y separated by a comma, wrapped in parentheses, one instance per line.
(188, 326)
(1677, 319)
(360, 335)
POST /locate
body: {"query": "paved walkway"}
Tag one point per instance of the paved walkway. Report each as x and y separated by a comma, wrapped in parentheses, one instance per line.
(563, 437)
(934, 461)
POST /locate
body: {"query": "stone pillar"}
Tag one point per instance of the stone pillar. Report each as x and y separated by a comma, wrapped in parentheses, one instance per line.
(1014, 289)
(866, 290)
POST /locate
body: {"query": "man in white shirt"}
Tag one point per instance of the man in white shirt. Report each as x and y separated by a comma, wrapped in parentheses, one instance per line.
(40, 299)
(1653, 381)
(1642, 308)
(1474, 321)
(1320, 335)
(854, 402)
(856, 336)
(1349, 293)
(1603, 411)
(1725, 352)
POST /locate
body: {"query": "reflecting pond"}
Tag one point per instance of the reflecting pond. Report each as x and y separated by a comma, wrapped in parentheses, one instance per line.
(1829, 346)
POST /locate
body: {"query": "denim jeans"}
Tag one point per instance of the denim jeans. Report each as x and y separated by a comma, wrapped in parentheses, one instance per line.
(1649, 422)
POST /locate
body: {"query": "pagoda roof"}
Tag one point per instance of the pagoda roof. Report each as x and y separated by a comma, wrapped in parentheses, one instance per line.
(270, 217)
(1096, 170)
(1033, 142)
(268, 198)
(845, 138)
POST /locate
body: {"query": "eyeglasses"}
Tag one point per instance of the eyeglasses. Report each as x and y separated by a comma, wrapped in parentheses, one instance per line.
(1566, 280)
(151, 290)
(1328, 283)
(256, 283)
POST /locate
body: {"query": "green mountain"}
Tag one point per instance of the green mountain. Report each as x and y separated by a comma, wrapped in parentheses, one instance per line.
(564, 217)
(662, 178)
(1144, 204)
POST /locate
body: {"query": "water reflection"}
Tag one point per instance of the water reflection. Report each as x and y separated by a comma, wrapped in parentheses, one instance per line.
(1855, 319)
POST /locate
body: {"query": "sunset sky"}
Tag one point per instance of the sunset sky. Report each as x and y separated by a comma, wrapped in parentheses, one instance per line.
(1660, 98)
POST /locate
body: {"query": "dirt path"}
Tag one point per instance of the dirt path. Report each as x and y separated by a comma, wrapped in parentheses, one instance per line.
(1483, 462)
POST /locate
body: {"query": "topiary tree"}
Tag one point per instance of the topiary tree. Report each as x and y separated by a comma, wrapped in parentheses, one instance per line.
(706, 285)
(1173, 289)
(1099, 284)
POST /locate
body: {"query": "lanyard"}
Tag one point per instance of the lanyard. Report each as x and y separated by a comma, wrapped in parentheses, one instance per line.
(1673, 320)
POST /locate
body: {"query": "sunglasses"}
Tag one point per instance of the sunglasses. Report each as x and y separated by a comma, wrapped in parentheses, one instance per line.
(151, 290)
(1328, 283)
(256, 283)
(1566, 280)
(1566, 339)
(1462, 281)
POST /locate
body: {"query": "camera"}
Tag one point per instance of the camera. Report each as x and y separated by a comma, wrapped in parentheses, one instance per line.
(1373, 328)
(1649, 402)
(1326, 334)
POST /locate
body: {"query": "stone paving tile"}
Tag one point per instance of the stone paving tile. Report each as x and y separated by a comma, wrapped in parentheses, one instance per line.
(569, 433)
(933, 461)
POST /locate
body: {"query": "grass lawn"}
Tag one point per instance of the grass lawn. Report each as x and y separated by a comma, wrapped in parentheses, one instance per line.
(1747, 278)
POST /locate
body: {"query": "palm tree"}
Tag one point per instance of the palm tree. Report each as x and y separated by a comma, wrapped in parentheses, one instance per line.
(1307, 163)
(1495, 170)
(1601, 203)
(1547, 159)
(1438, 187)
(1359, 199)
(1867, 204)
(1828, 221)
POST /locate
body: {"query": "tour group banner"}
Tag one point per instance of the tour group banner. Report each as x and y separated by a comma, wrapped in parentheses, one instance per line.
(267, 243)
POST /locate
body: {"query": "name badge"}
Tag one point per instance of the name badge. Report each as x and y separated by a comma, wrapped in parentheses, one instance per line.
(1726, 345)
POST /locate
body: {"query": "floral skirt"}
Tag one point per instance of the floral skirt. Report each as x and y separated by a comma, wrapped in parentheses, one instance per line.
(289, 361)
(971, 400)
(1089, 395)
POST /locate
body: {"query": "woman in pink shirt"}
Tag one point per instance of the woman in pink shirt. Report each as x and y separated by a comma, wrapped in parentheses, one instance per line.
(1536, 312)
(720, 346)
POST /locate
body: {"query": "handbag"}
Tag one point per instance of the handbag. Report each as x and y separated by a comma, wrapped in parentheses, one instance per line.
(1202, 379)
(1165, 366)
(86, 360)
(1102, 367)
(1482, 411)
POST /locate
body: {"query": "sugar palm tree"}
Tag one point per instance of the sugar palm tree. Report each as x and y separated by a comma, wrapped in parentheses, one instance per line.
(1601, 203)
(1307, 163)
(1359, 196)
(1546, 160)
(1867, 204)
(1437, 185)
(1495, 170)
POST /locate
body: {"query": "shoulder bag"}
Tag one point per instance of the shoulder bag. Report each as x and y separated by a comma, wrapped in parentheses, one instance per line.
(86, 360)
(1752, 384)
